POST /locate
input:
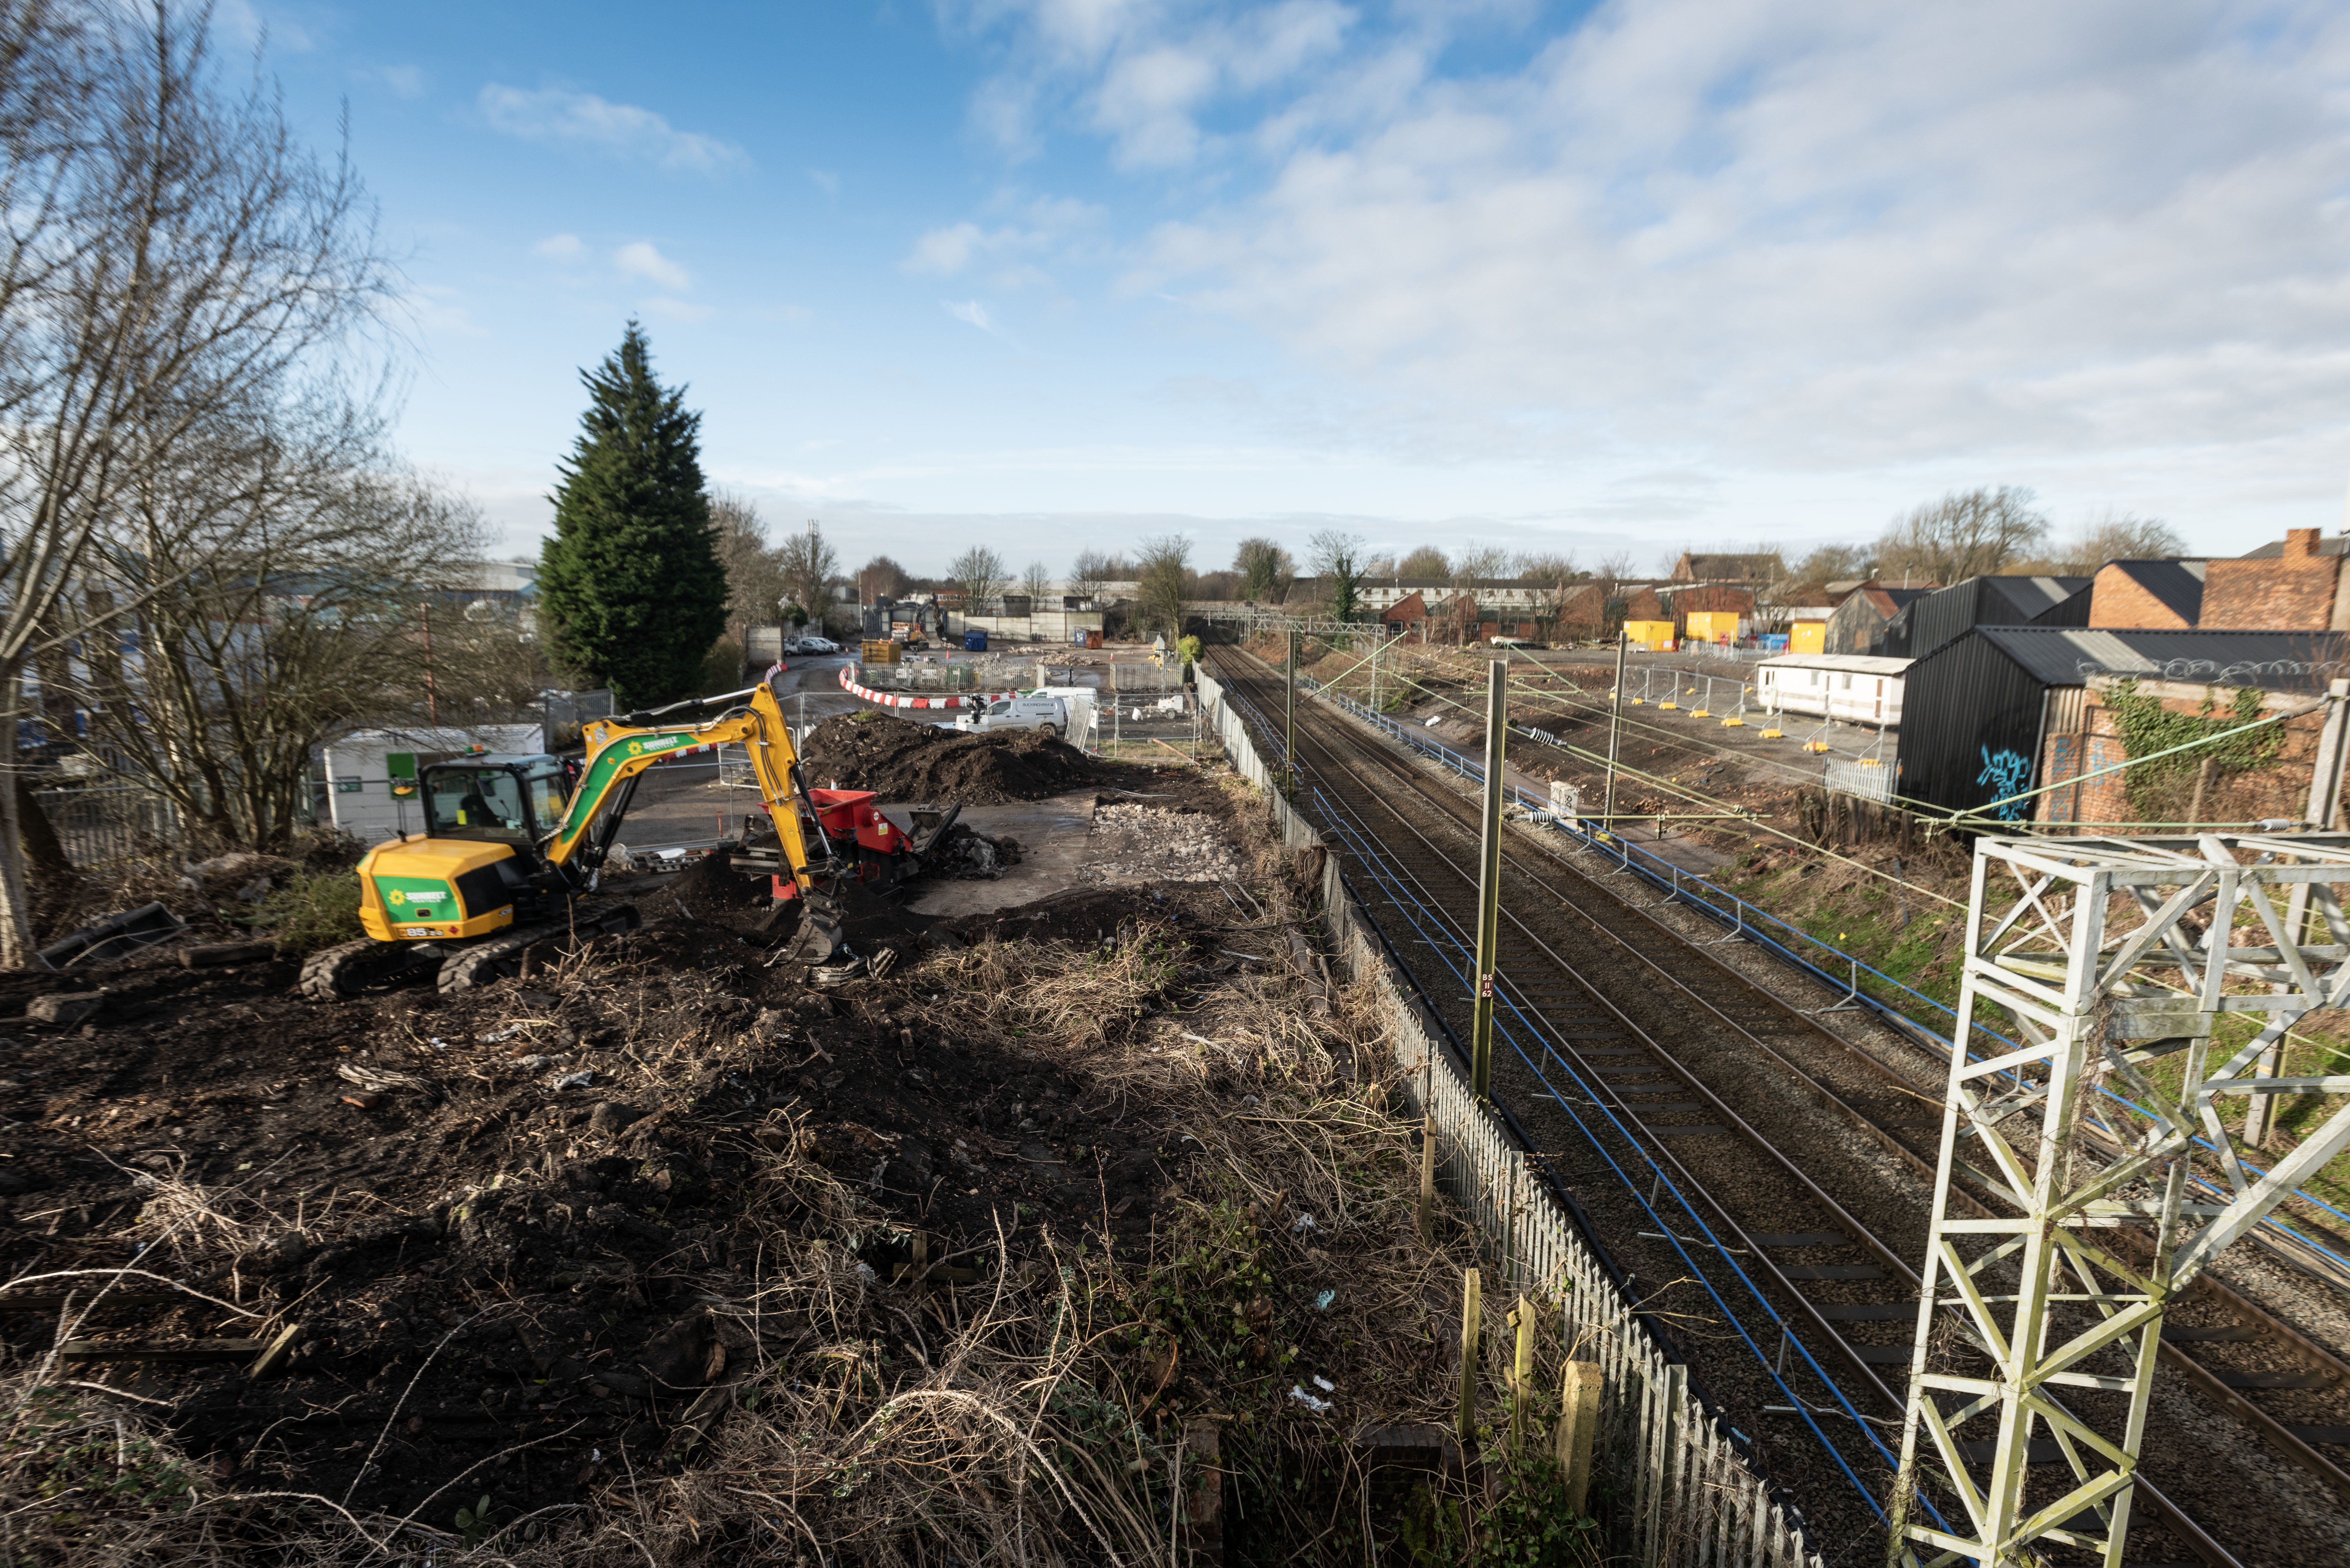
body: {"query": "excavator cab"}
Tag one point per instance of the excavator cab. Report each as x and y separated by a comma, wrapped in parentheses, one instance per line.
(517, 800)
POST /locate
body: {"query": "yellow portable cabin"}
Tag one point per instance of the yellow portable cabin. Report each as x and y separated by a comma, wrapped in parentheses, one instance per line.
(1649, 636)
(1808, 636)
(1712, 626)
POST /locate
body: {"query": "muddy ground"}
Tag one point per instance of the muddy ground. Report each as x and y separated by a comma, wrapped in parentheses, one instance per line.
(537, 1241)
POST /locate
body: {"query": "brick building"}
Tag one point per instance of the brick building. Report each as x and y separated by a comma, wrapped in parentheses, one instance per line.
(2148, 596)
(2297, 584)
(2083, 739)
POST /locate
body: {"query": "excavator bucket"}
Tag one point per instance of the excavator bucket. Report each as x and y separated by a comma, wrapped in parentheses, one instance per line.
(819, 939)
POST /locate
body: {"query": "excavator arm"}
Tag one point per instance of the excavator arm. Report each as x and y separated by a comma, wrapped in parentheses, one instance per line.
(620, 749)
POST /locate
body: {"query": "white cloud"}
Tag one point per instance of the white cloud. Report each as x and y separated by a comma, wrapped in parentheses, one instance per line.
(559, 117)
(676, 310)
(408, 82)
(1045, 224)
(639, 259)
(560, 247)
(971, 311)
(1850, 236)
(945, 252)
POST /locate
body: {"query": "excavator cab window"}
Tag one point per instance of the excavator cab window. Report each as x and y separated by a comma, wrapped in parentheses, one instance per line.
(507, 802)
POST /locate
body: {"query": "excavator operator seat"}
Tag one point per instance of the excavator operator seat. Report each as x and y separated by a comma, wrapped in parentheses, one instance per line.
(508, 799)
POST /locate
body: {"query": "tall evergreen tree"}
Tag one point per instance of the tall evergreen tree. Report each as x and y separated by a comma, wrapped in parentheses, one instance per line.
(631, 589)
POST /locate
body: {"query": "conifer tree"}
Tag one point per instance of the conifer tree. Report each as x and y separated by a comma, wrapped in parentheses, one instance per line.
(632, 591)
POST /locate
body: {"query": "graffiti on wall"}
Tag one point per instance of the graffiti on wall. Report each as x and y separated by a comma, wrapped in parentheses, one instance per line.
(2007, 772)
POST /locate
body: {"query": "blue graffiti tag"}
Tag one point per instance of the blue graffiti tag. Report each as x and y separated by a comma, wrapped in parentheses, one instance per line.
(2007, 773)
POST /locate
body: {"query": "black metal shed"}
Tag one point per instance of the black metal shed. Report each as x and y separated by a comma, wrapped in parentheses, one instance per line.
(1946, 614)
(1975, 711)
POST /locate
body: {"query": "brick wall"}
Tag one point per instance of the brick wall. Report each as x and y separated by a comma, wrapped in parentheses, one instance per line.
(2117, 599)
(2291, 593)
(2279, 788)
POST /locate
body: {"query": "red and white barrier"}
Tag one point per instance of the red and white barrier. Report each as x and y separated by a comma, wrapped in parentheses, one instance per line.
(900, 700)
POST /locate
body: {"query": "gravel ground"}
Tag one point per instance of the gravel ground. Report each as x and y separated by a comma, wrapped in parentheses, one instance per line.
(1133, 843)
(2196, 1453)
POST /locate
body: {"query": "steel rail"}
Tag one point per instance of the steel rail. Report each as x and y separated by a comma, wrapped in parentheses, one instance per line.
(1399, 770)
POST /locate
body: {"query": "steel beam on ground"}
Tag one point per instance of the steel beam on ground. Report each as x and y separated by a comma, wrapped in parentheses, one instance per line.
(2068, 986)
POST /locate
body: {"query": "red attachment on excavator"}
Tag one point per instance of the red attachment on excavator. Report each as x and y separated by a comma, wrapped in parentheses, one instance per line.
(851, 821)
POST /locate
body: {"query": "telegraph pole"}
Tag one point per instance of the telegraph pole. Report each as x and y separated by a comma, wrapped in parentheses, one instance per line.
(1289, 719)
(1489, 882)
(1615, 731)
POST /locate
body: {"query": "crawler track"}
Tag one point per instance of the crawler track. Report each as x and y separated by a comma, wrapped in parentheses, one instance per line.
(1758, 1179)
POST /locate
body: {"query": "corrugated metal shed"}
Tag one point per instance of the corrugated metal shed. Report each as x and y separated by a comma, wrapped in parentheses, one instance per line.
(1950, 613)
(1977, 709)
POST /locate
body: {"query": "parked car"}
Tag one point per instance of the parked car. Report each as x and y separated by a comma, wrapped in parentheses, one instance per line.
(1049, 715)
(818, 644)
(794, 647)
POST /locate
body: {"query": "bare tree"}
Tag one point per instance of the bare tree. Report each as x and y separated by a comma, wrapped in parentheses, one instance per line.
(1161, 567)
(1966, 533)
(1037, 583)
(881, 578)
(177, 267)
(1092, 573)
(805, 562)
(333, 605)
(981, 576)
(1338, 559)
(1555, 582)
(2113, 535)
(1265, 571)
(1475, 565)
(1835, 563)
(1428, 560)
(755, 581)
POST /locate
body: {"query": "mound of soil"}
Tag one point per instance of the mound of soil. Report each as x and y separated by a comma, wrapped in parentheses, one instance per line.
(899, 760)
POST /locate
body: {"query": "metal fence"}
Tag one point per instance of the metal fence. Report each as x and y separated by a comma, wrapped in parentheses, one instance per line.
(110, 823)
(1868, 779)
(1682, 1496)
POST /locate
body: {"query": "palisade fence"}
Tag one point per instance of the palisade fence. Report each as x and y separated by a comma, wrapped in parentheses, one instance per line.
(110, 823)
(1676, 1495)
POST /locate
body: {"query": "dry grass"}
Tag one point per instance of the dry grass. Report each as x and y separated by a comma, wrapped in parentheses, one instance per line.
(1038, 1416)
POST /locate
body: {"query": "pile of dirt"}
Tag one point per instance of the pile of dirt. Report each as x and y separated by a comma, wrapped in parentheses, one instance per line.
(900, 759)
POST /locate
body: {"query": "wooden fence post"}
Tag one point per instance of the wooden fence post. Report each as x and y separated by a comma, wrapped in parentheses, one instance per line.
(1522, 1373)
(1579, 1421)
(1427, 1173)
(1471, 1307)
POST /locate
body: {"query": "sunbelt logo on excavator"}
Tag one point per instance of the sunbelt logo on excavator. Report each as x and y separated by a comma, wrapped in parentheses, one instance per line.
(408, 896)
(658, 744)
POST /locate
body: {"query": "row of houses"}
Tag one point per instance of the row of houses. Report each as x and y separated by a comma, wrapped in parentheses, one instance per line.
(2014, 692)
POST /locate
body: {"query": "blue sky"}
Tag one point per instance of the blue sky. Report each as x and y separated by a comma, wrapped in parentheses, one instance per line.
(1053, 274)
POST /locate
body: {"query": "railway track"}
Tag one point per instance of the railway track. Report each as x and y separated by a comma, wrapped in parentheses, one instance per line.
(1760, 1181)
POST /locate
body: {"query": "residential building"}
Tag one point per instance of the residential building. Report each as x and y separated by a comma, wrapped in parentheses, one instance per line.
(1757, 570)
(1856, 625)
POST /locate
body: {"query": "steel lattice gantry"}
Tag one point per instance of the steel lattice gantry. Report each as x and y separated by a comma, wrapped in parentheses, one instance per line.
(2110, 979)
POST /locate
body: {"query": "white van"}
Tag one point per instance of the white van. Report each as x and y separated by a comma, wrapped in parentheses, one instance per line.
(1049, 715)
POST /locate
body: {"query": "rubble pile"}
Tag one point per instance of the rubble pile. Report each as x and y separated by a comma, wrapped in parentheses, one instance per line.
(902, 759)
(1135, 843)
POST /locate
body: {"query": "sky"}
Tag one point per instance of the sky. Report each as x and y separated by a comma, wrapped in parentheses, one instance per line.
(1054, 275)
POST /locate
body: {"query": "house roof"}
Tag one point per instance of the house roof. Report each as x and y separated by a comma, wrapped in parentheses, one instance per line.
(1887, 602)
(1728, 568)
(2339, 544)
(2277, 660)
(2177, 586)
(2029, 597)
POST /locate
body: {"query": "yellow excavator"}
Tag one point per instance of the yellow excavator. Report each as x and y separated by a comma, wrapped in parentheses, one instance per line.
(508, 857)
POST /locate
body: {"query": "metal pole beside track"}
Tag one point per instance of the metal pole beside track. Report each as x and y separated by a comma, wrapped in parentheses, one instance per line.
(1489, 881)
(1289, 723)
(1615, 730)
